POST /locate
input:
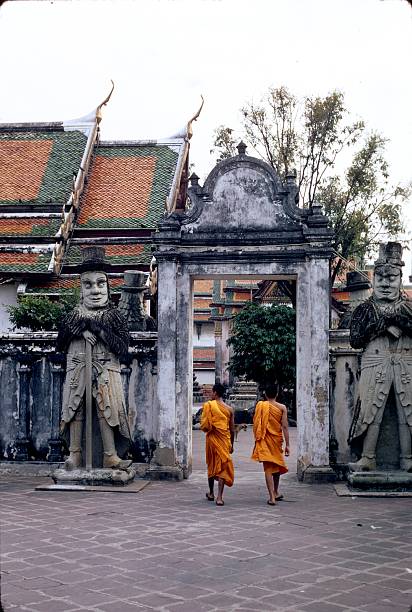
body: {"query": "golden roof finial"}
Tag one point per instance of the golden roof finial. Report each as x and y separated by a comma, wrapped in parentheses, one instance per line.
(105, 101)
(189, 130)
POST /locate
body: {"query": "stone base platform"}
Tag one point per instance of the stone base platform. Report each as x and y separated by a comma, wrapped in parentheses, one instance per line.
(134, 487)
(316, 474)
(94, 478)
(395, 480)
(343, 490)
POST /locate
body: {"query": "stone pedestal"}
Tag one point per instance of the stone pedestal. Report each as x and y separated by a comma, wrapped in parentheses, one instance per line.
(394, 480)
(243, 395)
(316, 474)
(95, 477)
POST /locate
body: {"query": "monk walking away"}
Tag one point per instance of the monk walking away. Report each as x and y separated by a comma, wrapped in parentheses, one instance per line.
(270, 426)
(219, 425)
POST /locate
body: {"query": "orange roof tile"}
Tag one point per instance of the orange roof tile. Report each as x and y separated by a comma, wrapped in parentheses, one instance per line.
(201, 303)
(204, 353)
(113, 191)
(66, 285)
(113, 250)
(22, 167)
(23, 225)
(18, 258)
(199, 316)
(203, 286)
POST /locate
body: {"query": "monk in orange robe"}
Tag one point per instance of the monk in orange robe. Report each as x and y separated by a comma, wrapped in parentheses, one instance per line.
(270, 425)
(219, 424)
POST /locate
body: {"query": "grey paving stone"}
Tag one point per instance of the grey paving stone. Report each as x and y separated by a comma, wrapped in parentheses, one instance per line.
(166, 548)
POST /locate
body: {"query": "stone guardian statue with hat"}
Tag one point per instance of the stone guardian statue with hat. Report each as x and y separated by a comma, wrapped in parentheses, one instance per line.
(94, 335)
(382, 327)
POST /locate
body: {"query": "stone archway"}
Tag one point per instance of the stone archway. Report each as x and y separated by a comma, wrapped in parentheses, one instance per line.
(243, 223)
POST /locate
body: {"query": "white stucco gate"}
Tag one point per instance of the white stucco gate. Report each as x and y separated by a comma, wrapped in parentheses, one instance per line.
(243, 223)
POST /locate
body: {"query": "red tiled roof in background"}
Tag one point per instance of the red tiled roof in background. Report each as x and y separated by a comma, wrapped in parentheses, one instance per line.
(202, 303)
(204, 353)
(203, 286)
(118, 187)
(341, 295)
(66, 285)
(113, 250)
(22, 226)
(18, 258)
(22, 167)
(201, 316)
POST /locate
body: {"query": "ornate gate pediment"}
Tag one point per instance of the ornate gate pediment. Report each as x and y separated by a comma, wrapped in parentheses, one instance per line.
(243, 201)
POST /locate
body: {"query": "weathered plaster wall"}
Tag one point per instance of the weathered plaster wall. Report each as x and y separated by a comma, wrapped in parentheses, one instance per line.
(31, 379)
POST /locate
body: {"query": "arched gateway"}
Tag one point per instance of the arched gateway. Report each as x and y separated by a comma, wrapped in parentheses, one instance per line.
(243, 223)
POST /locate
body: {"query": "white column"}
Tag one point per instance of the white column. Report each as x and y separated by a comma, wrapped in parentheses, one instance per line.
(312, 385)
(184, 371)
(320, 301)
(303, 368)
(165, 454)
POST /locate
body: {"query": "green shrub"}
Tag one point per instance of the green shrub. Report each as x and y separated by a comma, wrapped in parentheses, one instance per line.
(263, 342)
(40, 313)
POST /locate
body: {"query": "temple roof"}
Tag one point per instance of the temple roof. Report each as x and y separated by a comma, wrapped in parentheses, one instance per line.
(65, 284)
(129, 185)
(25, 260)
(42, 169)
(37, 163)
(47, 213)
(136, 255)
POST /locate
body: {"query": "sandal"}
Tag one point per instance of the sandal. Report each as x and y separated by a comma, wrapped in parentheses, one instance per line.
(270, 503)
(279, 497)
(220, 503)
(210, 497)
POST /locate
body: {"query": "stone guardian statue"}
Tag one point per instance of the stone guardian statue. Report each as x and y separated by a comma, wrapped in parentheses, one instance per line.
(97, 322)
(382, 327)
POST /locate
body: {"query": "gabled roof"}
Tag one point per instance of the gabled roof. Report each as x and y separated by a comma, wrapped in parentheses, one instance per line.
(42, 169)
(25, 259)
(37, 163)
(129, 184)
(65, 284)
(61, 189)
(120, 255)
(29, 225)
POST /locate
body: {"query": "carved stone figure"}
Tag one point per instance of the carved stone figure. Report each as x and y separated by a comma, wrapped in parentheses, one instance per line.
(95, 321)
(131, 304)
(382, 326)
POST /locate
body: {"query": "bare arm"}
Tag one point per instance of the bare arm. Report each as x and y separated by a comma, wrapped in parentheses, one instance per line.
(285, 429)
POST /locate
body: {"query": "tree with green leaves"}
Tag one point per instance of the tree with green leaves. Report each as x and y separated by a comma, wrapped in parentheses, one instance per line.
(40, 313)
(263, 341)
(339, 164)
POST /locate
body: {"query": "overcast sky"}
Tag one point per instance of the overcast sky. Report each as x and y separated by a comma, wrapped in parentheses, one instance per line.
(57, 59)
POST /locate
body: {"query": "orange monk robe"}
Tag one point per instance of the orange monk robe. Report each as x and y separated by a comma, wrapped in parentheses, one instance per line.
(267, 429)
(215, 422)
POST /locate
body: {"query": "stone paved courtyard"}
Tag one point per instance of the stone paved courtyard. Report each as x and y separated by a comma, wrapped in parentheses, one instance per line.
(167, 548)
